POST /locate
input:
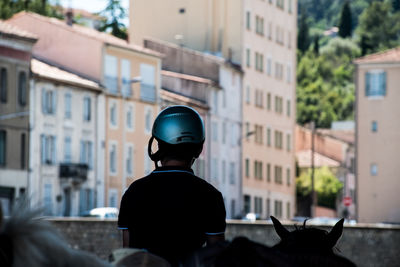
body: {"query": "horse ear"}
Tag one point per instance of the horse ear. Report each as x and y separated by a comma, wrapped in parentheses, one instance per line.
(335, 233)
(280, 230)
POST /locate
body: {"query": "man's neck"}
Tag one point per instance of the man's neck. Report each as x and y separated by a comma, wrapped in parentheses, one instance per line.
(176, 163)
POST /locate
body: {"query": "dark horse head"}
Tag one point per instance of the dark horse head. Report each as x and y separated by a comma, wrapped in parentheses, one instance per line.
(309, 246)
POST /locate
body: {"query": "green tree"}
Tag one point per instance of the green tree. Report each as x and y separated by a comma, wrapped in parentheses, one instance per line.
(326, 185)
(10, 7)
(115, 13)
(303, 37)
(316, 44)
(345, 21)
(378, 28)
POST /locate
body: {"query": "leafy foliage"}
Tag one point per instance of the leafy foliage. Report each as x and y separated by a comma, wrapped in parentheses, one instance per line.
(115, 13)
(303, 38)
(326, 185)
(10, 7)
(378, 28)
(325, 91)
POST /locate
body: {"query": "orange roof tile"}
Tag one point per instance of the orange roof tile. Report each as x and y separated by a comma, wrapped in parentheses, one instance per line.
(387, 56)
(304, 160)
(11, 30)
(91, 33)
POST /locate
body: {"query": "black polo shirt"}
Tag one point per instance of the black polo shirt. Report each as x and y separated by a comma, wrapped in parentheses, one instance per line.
(170, 212)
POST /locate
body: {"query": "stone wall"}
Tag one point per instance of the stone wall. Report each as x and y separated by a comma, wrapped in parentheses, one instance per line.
(366, 245)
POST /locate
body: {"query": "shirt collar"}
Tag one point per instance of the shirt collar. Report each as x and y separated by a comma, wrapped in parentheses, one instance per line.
(173, 168)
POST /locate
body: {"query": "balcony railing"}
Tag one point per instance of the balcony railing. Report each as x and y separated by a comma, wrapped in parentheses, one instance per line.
(147, 92)
(78, 172)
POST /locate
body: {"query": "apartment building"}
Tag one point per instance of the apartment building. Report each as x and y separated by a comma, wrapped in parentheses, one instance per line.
(261, 37)
(15, 55)
(213, 86)
(377, 137)
(63, 156)
(130, 75)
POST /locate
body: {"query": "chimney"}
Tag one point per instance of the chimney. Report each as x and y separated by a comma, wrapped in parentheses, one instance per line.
(69, 17)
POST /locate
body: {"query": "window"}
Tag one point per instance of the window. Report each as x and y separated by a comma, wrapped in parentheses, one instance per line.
(374, 126)
(288, 108)
(215, 99)
(278, 174)
(3, 145)
(288, 73)
(375, 83)
(258, 205)
(288, 214)
(248, 94)
(111, 73)
(247, 204)
(113, 158)
(67, 106)
(67, 149)
(49, 101)
(269, 66)
(232, 171)
(148, 120)
(259, 61)
(86, 199)
(126, 78)
(233, 212)
(278, 140)
(268, 136)
(269, 101)
(48, 149)
(129, 117)
(22, 88)
(268, 172)
(86, 153)
(214, 169)
(23, 156)
(280, 4)
(247, 168)
(259, 134)
(248, 63)
(290, 6)
(259, 25)
(289, 42)
(258, 170)
(268, 207)
(278, 104)
(112, 197)
(288, 178)
(270, 30)
(248, 20)
(129, 160)
(3, 85)
(48, 203)
(374, 169)
(278, 208)
(148, 83)
(113, 114)
(86, 108)
(288, 142)
(247, 130)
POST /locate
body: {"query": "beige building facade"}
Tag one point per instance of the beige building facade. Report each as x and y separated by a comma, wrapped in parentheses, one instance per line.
(260, 36)
(377, 137)
(15, 54)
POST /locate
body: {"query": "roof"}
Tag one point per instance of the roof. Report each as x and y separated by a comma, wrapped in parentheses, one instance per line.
(347, 136)
(304, 160)
(10, 30)
(46, 71)
(175, 97)
(187, 77)
(90, 33)
(387, 56)
(81, 12)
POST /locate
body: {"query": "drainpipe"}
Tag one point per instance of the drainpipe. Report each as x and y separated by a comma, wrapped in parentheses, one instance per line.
(31, 128)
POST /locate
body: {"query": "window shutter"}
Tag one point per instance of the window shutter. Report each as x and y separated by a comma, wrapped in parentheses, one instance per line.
(43, 148)
(82, 152)
(54, 102)
(367, 83)
(91, 199)
(82, 207)
(383, 83)
(53, 150)
(44, 101)
(88, 109)
(90, 155)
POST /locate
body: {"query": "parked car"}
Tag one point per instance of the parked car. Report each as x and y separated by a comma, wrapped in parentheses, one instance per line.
(252, 217)
(103, 213)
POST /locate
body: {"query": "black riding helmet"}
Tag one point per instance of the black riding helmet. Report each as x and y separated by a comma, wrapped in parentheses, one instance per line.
(177, 127)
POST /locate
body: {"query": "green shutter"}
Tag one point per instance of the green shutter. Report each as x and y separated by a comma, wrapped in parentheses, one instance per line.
(367, 83)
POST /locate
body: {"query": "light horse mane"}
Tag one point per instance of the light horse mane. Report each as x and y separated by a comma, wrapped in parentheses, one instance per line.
(36, 243)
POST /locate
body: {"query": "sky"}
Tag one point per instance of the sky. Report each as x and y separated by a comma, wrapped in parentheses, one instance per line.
(92, 5)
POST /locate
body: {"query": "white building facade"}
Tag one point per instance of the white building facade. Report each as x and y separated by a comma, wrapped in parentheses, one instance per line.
(64, 143)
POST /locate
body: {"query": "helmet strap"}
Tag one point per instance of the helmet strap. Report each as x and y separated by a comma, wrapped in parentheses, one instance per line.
(154, 156)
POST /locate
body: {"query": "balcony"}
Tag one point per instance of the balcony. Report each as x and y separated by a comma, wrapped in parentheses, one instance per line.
(78, 172)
